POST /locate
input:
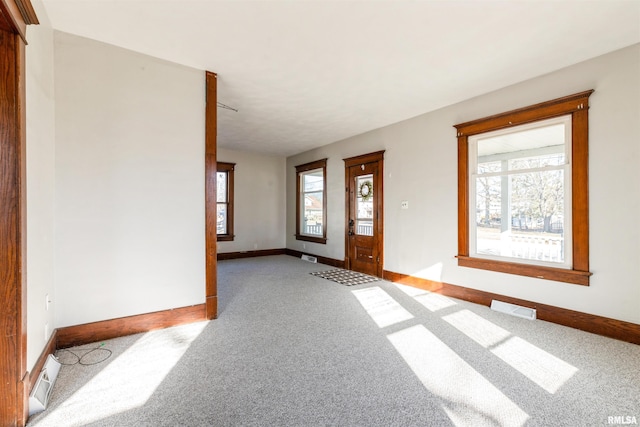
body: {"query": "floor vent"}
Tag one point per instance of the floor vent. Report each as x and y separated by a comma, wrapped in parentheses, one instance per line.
(309, 258)
(39, 396)
(514, 310)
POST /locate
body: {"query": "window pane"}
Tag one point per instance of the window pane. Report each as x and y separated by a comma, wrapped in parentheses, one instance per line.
(312, 214)
(488, 166)
(521, 216)
(312, 181)
(222, 187)
(222, 219)
(523, 149)
(488, 200)
(538, 161)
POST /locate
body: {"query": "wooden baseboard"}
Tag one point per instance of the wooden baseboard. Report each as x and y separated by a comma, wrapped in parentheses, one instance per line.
(322, 260)
(267, 252)
(250, 254)
(618, 329)
(108, 329)
(49, 348)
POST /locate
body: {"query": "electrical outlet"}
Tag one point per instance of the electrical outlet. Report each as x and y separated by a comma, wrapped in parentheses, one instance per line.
(255, 246)
(404, 204)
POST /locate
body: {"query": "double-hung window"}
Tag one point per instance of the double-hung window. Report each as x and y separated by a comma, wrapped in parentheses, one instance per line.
(224, 199)
(311, 203)
(523, 191)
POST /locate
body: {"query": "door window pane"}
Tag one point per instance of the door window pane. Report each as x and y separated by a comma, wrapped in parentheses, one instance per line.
(364, 205)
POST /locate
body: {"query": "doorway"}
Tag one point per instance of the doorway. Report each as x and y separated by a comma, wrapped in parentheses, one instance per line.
(364, 220)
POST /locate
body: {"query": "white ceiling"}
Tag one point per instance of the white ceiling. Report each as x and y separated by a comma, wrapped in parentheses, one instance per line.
(305, 73)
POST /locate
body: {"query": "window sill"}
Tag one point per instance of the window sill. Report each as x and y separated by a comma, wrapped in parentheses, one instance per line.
(322, 240)
(225, 238)
(576, 277)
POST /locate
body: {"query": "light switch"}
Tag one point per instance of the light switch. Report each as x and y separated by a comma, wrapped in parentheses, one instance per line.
(404, 204)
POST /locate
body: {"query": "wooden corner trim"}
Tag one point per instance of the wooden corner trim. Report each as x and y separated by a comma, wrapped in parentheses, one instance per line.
(107, 329)
(211, 308)
(612, 328)
(211, 166)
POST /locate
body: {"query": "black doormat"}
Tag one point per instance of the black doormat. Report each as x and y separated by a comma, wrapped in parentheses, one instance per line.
(345, 277)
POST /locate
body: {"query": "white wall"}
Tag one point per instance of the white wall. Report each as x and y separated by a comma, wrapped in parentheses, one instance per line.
(40, 182)
(259, 201)
(129, 183)
(421, 167)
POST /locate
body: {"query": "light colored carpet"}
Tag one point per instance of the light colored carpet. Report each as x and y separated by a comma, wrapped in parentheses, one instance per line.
(291, 349)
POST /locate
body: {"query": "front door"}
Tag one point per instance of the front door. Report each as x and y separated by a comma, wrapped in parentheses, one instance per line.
(364, 214)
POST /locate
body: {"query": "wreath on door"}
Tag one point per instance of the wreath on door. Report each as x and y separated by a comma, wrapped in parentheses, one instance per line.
(366, 190)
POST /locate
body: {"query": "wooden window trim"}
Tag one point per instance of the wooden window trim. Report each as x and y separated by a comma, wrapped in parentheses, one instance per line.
(577, 106)
(228, 168)
(318, 164)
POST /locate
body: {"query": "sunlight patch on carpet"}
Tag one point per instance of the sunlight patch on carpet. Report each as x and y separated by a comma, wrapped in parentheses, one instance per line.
(477, 328)
(467, 397)
(544, 369)
(383, 309)
(412, 291)
(434, 302)
(128, 381)
(430, 300)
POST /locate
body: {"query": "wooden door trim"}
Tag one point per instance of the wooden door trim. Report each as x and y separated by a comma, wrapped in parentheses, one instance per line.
(211, 236)
(364, 158)
(13, 296)
(375, 157)
(17, 14)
